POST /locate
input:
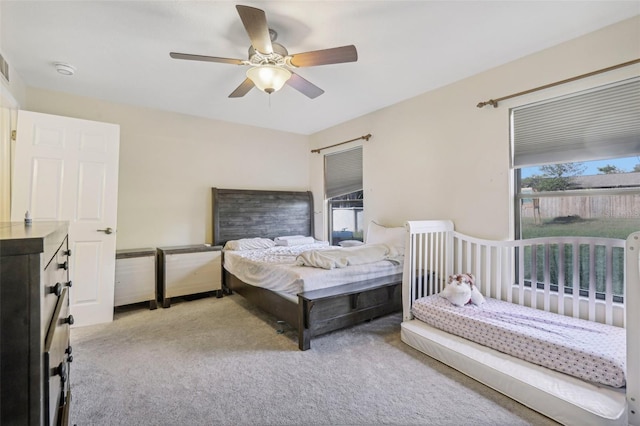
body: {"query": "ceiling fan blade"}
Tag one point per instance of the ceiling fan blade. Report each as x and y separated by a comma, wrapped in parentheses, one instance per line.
(190, 57)
(335, 55)
(243, 89)
(255, 23)
(304, 86)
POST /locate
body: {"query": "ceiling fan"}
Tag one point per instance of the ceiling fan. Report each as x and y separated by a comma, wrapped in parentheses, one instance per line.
(270, 62)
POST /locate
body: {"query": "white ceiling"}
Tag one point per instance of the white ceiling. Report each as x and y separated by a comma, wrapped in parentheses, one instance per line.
(121, 50)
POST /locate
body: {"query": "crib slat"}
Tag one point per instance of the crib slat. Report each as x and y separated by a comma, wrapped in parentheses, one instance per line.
(592, 282)
(575, 252)
(547, 277)
(458, 254)
(467, 266)
(487, 272)
(419, 267)
(521, 274)
(534, 276)
(608, 292)
(431, 264)
(509, 253)
(561, 266)
(413, 258)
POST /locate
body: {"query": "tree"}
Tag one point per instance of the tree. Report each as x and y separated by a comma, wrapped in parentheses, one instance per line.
(555, 177)
(636, 168)
(610, 169)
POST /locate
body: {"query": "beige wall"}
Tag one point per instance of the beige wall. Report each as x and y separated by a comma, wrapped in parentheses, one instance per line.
(169, 162)
(432, 156)
(438, 156)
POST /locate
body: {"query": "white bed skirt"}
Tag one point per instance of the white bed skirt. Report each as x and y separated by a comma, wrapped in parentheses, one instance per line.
(565, 399)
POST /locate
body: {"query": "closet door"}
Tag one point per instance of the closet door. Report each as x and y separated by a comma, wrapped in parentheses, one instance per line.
(67, 169)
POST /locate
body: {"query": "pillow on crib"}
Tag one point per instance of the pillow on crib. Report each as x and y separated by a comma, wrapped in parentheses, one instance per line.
(393, 237)
(249, 244)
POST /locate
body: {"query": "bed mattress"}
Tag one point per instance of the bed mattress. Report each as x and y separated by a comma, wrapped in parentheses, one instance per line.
(588, 350)
(275, 269)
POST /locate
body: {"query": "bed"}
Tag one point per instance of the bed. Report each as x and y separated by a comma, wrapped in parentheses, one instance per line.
(517, 278)
(239, 214)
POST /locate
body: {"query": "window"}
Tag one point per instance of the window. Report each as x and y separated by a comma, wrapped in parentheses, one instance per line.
(346, 217)
(577, 173)
(344, 196)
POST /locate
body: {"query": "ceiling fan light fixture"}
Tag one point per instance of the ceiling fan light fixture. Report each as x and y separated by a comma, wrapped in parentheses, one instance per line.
(269, 78)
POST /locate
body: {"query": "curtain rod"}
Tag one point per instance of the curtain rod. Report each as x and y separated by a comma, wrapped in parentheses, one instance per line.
(365, 137)
(494, 102)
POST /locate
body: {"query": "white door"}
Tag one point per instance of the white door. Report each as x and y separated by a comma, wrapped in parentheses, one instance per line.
(67, 169)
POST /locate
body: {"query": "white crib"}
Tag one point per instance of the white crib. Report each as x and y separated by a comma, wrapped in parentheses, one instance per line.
(519, 272)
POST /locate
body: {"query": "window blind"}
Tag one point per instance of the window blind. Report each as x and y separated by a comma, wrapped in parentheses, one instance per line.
(598, 124)
(343, 172)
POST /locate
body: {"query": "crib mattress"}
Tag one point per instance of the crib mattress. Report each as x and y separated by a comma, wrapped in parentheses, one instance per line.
(588, 350)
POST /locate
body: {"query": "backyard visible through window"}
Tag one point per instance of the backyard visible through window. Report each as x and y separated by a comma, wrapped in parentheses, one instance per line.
(597, 199)
(346, 216)
(588, 199)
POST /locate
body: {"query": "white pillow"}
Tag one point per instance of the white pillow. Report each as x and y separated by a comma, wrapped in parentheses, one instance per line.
(393, 237)
(249, 244)
(287, 237)
(350, 243)
(295, 241)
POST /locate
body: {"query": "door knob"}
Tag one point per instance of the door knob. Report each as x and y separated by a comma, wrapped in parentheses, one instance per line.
(106, 231)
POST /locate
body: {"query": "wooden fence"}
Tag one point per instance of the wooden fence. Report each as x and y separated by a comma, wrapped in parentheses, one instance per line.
(587, 207)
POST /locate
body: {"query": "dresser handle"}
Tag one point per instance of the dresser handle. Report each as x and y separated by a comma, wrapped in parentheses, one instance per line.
(56, 289)
(64, 265)
(69, 320)
(61, 370)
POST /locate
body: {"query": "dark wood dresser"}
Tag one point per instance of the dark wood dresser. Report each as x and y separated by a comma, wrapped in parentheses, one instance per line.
(34, 324)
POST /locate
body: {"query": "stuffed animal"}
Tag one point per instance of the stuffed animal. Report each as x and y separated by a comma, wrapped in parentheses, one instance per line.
(461, 290)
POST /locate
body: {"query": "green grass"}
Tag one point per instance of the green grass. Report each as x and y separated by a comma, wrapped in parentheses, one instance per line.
(605, 228)
(584, 270)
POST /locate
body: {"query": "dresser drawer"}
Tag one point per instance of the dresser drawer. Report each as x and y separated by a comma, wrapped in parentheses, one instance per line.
(55, 278)
(192, 273)
(57, 355)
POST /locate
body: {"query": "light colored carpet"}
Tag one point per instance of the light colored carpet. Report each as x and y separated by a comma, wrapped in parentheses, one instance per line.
(220, 362)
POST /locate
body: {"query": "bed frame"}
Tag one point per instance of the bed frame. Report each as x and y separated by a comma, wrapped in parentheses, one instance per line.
(434, 251)
(240, 213)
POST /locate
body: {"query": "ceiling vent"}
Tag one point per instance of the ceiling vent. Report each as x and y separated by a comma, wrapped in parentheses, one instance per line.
(4, 68)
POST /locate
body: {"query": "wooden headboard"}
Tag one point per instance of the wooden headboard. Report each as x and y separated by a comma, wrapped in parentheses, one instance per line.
(241, 213)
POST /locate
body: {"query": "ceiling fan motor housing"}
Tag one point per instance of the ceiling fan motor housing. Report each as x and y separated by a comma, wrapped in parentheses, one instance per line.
(276, 58)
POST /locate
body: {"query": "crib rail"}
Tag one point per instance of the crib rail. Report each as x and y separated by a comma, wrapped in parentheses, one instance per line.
(574, 276)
